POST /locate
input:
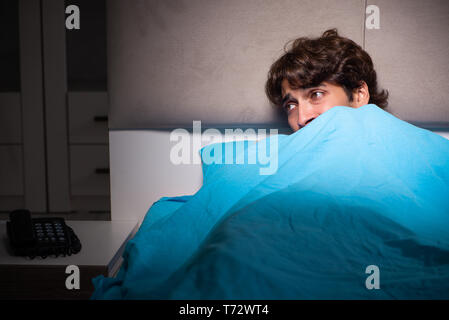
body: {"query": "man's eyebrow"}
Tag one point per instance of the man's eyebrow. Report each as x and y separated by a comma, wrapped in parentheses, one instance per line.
(287, 98)
(313, 86)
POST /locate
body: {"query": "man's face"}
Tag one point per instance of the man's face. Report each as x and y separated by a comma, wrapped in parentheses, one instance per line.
(304, 105)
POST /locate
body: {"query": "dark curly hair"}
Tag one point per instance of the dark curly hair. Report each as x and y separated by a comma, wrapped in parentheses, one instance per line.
(330, 58)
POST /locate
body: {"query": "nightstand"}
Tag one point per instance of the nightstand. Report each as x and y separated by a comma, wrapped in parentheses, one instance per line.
(102, 243)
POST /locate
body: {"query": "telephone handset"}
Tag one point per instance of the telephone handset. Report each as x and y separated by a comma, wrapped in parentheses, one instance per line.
(40, 236)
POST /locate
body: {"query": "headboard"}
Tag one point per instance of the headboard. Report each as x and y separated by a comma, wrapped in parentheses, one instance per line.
(171, 62)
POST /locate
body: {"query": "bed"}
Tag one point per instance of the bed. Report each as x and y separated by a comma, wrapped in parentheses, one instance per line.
(354, 189)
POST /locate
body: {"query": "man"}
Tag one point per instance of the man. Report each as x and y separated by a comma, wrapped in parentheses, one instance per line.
(315, 75)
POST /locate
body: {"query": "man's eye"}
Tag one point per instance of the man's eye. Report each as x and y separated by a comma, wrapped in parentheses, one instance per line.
(289, 107)
(317, 95)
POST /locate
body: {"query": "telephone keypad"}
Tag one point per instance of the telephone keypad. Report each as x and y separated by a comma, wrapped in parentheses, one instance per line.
(49, 232)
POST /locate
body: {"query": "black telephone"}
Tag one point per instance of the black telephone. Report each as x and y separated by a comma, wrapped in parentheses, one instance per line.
(40, 236)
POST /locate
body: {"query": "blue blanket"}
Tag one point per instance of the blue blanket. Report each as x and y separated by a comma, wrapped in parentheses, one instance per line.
(355, 188)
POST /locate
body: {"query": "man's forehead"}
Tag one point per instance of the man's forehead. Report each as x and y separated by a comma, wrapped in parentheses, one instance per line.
(285, 86)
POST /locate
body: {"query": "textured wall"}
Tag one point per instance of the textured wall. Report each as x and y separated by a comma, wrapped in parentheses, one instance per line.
(411, 55)
(174, 61)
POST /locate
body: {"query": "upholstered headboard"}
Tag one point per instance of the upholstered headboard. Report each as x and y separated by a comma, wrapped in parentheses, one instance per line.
(171, 62)
(174, 61)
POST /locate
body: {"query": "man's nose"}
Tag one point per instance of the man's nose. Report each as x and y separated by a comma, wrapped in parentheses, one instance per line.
(304, 117)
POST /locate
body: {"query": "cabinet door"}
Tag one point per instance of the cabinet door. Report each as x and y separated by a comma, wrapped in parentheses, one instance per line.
(89, 170)
(32, 103)
(55, 79)
(22, 145)
(76, 107)
(11, 172)
(10, 118)
(88, 117)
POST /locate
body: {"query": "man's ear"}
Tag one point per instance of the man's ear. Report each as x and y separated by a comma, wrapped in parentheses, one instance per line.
(360, 95)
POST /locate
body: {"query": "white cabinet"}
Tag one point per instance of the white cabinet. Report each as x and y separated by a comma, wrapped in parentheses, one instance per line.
(53, 108)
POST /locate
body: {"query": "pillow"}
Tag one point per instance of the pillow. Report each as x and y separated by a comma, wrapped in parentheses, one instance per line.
(217, 157)
(220, 159)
